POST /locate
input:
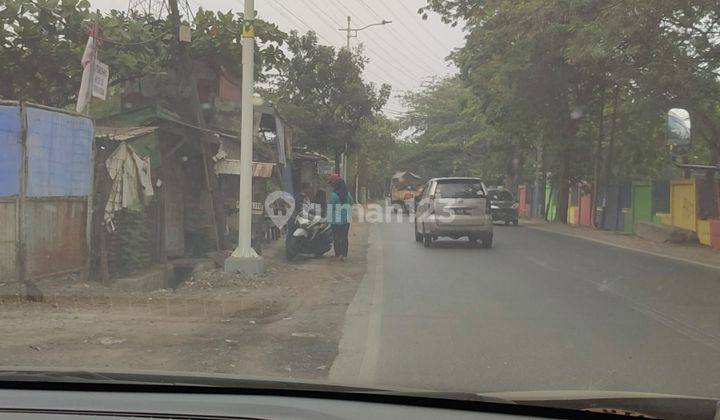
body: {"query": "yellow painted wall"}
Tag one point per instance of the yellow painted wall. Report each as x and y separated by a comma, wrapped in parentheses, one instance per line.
(664, 218)
(683, 204)
(703, 232)
(572, 211)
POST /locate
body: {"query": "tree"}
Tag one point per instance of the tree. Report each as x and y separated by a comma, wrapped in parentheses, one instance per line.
(321, 92)
(43, 40)
(562, 76)
(376, 155)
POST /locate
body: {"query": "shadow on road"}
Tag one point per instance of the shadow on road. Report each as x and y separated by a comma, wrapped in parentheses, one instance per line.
(448, 243)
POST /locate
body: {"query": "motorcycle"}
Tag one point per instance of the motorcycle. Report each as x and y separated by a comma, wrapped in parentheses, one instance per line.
(309, 234)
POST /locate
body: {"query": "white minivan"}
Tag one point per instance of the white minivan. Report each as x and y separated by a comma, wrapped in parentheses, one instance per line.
(456, 208)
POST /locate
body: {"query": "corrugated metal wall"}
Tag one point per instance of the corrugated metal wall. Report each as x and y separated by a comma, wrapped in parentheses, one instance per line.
(8, 239)
(55, 235)
(49, 233)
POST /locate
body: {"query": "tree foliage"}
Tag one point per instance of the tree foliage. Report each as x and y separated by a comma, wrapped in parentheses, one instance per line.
(43, 40)
(322, 93)
(586, 83)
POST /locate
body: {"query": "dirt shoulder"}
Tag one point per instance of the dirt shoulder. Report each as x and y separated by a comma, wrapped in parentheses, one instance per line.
(285, 323)
(689, 253)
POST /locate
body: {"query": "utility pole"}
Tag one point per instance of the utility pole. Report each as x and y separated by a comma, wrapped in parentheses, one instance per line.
(244, 258)
(185, 70)
(351, 32)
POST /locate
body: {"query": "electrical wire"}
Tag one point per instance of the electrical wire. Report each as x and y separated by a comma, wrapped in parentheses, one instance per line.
(431, 35)
(314, 7)
(387, 56)
(380, 46)
(132, 44)
(400, 35)
(278, 3)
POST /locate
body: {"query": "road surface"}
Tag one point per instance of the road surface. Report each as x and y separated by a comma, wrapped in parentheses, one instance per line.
(539, 311)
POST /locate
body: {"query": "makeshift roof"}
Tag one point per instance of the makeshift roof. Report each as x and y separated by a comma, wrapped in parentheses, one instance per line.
(153, 114)
(402, 174)
(232, 167)
(314, 156)
(123, 133)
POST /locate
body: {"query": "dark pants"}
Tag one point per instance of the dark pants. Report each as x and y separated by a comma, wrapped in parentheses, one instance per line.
(340, 239)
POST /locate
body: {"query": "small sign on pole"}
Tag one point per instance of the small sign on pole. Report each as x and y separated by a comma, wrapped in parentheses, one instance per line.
(326, 168)
(185, 34)
(100, 80)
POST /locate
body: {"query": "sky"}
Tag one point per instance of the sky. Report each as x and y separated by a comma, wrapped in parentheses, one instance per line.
(405, 53)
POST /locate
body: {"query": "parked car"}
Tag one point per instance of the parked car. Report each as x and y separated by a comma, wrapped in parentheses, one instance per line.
(454, 207)
(503, 206)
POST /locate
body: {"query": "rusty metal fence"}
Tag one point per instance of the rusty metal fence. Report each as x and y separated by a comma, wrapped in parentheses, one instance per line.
(45, 190)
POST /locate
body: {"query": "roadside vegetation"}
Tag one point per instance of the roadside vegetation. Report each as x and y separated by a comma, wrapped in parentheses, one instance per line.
(577, 90)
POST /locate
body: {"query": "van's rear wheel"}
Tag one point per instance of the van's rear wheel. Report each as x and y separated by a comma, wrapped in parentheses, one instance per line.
(487, 242)
(427, 241)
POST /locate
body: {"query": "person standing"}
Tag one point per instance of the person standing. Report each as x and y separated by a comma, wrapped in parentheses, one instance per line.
(340, 214)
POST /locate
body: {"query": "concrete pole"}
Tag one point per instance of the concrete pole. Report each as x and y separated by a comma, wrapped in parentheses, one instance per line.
(343, 155)
(348, 34)
(244, 258)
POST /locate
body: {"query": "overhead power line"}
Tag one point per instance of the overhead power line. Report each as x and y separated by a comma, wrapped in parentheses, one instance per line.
(279, 4)
(379, 46)
(430, 33)
(400, 35)
(386, 58)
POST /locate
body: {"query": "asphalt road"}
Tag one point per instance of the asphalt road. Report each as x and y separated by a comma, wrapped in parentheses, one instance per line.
(539, 311)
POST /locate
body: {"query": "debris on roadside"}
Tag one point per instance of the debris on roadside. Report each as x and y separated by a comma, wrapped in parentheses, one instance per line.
(303, 335)
(215, 279)
(109, 341)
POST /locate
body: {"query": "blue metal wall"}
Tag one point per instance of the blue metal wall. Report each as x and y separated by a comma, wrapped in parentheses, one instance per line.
(9, 150)
(59, 154)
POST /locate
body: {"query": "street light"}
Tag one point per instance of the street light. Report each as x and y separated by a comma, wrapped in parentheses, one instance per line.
(352, 33)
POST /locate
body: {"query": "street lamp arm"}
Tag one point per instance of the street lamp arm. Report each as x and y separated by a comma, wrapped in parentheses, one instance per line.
(384, 22)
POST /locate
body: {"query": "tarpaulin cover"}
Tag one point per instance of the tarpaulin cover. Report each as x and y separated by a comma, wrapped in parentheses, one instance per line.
(9, 150)
(131, 177)
(59, 154)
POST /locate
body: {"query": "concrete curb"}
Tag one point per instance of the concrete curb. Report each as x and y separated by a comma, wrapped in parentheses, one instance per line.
(545, 228)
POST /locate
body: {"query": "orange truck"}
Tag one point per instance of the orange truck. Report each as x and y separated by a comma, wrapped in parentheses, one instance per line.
(404, 186)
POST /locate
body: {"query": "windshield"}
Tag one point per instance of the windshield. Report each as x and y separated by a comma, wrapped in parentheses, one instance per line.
(156, 183)
(458, 189)
(496, 195)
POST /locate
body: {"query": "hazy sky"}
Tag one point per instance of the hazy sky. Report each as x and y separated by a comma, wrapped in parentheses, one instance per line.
(403, 53)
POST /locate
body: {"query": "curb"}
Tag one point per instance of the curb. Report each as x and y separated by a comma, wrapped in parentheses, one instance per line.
(624, 247)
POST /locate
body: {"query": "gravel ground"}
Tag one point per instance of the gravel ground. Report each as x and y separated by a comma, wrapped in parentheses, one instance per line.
(284, 323)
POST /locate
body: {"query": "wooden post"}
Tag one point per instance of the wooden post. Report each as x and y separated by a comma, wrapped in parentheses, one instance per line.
(21, 256)
(211, 183)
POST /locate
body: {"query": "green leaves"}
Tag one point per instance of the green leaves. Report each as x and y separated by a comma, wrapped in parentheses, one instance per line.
(43, 40)
(322, 93)
(529, 65)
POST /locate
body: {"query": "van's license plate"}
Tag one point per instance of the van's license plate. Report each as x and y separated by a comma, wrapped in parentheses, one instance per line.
(462, 212)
